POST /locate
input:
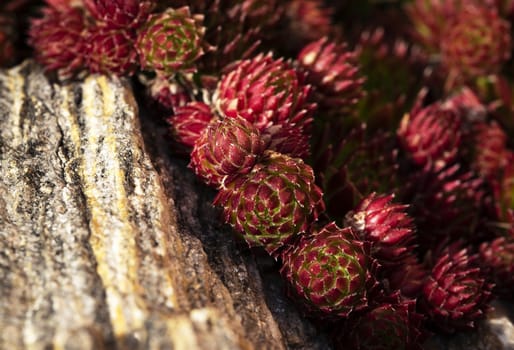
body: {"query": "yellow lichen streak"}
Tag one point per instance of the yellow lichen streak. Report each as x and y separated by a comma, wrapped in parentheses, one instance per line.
(112, 233)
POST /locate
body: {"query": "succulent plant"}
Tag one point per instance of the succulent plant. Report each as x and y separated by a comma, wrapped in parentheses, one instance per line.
(455, 294)
(431, 136)
(354, 167)
(490, 142)
(476, 43)
(189, 122)
(430, 19)
(497, 260)
(274, 202)
(446, 204)
(329, 272)
(392, 324)
(120, 13)
(334, 72)
(110, 51)
(503, 190)
(171, 41)
(58, 39)
(168, 95)
(227, 148)
(408, 278)
(237, 28)
(468, 106)
(395, 72)
(65, 5)
(272, 95)
(308, 20)
(386, 225)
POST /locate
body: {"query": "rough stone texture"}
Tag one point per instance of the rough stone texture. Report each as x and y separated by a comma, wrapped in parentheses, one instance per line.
(107, 240)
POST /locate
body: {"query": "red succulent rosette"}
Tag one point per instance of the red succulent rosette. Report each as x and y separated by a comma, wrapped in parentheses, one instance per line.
(491, 153)
(392, 323)
(334, 72)
(329, 272)
(497, 260)
(476, 43)
(171, 41)
(308, 20)
(408, 278)
(189, 122)
(386, 225)
(274, 202)
(455, 294)
(169, 95)
(227, 148)
(65, 5)
(272, 95)
(430, 19)
(431, 136)
(120, 13)
(110, 51)
(58, 39)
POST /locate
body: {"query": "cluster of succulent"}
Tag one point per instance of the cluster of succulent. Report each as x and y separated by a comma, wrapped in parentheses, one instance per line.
(72, 37)
(371, 157)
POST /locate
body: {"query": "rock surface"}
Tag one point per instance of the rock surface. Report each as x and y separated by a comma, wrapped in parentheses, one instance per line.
(109, 241)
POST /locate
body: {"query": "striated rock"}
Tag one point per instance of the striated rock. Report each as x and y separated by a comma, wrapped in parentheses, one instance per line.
(106, 245)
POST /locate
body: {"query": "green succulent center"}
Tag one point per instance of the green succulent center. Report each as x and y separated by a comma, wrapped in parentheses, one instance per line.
(335, 274)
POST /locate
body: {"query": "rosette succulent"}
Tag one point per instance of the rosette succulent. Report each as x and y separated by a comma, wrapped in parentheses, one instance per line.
(189, 122)
(446, 204)
(309, 20)
(227, 148)
(490, 156)
(329, 272)
(477, 42)
(58, 39)
(503, 190)
(236, 28)
(393, 324)
(168, 95)
(275, 201)
(395, 73)
(334, 72)
(431, 136)
(386, 225)
(110, 51)
(65, 5)
(171, 41)
(120, 13)
(497, 260)
(354, 167)
(272, 95)
(455, 294)
(408, 278)
(430, 18)
(468, 105)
